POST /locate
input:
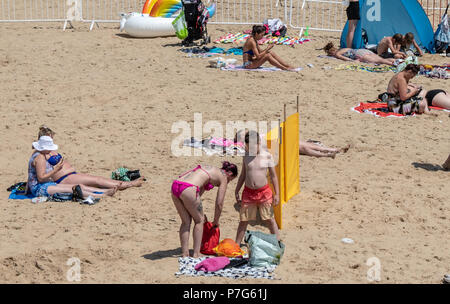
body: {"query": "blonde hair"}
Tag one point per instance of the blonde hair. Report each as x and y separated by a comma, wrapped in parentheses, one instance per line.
(45, 131)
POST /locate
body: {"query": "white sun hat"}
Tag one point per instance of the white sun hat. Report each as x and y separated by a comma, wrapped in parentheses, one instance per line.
(45, 143)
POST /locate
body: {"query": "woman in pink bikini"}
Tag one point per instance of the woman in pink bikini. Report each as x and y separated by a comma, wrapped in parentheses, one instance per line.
(186, 193)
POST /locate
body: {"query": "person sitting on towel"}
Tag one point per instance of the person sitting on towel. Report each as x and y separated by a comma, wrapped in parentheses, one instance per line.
(68, 175)
(394, 44)
(43, 170)
(253, 56)
(410, 46)
(363, 55)
(403, 97)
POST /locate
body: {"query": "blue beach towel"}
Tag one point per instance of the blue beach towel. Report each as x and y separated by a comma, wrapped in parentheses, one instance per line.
(20, 195)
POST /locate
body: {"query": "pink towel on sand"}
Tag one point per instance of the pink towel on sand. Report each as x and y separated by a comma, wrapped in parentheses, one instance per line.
(212, 264)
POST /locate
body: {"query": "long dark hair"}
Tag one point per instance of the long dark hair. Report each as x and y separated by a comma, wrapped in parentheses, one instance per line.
(229, 167)
(258, 29)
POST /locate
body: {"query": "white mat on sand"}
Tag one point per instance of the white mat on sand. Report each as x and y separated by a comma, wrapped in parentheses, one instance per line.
(187, 267)
(261, 69)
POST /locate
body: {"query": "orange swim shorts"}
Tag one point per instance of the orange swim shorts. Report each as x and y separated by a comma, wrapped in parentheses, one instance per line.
(254, 200)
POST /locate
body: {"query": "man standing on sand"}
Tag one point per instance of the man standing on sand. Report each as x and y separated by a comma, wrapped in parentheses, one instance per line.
(353, 18)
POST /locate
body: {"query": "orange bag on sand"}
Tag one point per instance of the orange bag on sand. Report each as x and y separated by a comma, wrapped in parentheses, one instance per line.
(228, 248)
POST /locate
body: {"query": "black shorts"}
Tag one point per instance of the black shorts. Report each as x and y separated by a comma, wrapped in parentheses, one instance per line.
(353, 11)
(431, 94)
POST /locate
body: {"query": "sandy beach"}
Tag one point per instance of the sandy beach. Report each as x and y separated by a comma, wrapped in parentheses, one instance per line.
(112, 101)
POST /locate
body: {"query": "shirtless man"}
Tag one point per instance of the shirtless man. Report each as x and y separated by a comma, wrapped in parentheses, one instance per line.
(394, 43)
(406, 98)
(257, 194)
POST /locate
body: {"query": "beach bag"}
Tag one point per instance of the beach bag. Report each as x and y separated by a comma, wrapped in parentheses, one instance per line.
(264, 249)
(228, 248)
(179, 24)
(210, 239)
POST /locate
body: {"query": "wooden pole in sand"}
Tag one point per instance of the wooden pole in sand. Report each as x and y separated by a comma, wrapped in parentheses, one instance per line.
(284, 112)
(297, 104)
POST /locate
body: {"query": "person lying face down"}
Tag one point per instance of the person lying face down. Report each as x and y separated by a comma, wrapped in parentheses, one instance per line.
(253, 57)
(362, 55)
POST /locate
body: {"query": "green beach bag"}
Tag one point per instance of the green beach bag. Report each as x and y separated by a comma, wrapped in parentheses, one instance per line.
(264, 249)
(179, 24)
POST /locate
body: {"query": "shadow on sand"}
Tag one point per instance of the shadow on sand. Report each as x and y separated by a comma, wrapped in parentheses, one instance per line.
(158, 255)
(428, 167)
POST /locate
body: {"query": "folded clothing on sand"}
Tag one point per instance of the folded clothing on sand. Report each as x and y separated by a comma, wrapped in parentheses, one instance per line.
(212, 264)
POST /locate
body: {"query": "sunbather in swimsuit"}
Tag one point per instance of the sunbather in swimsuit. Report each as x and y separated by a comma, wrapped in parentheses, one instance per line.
(53, 160)
(179, 186)
(250, 54)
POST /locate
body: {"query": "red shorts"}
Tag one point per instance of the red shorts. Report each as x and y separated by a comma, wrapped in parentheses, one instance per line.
(257, 196)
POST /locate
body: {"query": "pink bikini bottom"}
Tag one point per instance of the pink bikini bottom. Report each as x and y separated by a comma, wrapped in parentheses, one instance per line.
(178, 187)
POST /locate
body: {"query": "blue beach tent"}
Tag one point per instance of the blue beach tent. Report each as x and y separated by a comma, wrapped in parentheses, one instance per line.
(380, 18)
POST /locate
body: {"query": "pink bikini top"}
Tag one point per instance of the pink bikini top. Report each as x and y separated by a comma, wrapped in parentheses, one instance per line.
(208, 186)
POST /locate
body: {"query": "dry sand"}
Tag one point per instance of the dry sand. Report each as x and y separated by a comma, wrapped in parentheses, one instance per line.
(112, 101)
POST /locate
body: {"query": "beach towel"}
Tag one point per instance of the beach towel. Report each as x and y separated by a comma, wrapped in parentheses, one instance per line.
(260, 69)
(240, 38)
(380, 109)
(20, 195)
(212, 149)
(366, 68)
(212, 264)
(187, 267)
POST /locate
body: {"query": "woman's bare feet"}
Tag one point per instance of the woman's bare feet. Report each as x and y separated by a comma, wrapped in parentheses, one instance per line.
(111, 191)
(196, 256)
(345, 149)
(135, 183)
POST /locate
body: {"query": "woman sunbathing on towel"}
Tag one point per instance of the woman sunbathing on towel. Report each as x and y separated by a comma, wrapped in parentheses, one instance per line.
(253, 56)
(309, 148)
(43, 169)
(67, 174)
(362, 55)
(186, 192)
(315, 148)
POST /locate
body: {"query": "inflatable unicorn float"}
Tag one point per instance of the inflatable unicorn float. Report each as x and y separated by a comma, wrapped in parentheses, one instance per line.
(156, 19)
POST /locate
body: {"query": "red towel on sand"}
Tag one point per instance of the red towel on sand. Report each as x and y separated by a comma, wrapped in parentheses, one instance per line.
(380, 109)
